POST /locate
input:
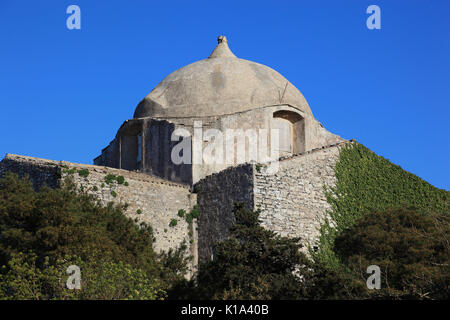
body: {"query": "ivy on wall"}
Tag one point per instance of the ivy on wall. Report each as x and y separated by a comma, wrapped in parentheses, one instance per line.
(366, 182)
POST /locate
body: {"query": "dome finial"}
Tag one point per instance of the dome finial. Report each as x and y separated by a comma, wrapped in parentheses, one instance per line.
(222, 50)
(221, 39)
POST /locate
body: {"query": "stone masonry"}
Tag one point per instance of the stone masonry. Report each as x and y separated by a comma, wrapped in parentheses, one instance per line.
(216, 196)
(291, 201)
(150, 199)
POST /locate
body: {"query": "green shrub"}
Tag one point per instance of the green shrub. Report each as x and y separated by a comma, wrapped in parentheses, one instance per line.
(366, 182)
(173, 223)
(83, 173)
(120, 179)
(411, 248)
(195, 213)
(69, 171)
(254, 263)
(110, 178)
(139, 211)
(181, 213)
(189, 218)
(44, 232)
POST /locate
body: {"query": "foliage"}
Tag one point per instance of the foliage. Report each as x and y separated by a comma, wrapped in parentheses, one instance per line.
(411, 248)
(193, 214)
(173, 223)
(39, 230)
(366, 182)
(337, 283)
(69, 171)
(83, 173)
(111, 178)
(101, 280)
(254, 263)
(120, 179)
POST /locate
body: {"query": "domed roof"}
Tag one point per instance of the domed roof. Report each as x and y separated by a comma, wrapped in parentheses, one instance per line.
(222, 84)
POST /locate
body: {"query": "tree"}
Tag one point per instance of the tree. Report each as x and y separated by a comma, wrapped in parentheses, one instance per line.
(42, 233)
(254, 263)
(410, 247)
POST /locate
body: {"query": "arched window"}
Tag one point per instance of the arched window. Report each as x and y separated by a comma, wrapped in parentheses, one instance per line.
(291, 128)
(284, 127)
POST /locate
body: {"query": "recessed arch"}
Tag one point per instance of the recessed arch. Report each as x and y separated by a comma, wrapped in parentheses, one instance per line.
(291, 126)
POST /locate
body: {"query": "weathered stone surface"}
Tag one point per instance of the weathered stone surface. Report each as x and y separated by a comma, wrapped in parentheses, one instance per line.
(292, 201)
(219, 85)
(223, 92)
(157, 200)
(216, 196)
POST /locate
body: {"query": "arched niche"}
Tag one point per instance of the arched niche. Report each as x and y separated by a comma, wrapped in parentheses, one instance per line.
(291, 126)
(130, 146)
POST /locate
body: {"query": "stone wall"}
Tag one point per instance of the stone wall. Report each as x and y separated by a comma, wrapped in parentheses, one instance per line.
(216, 197)
(41, 172)
(150, 199)
(291, 199)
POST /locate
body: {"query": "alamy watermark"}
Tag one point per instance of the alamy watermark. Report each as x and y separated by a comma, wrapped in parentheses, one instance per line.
(374, 280)
(231, 147)
(374, 20)
(74, 20)
(74, 279)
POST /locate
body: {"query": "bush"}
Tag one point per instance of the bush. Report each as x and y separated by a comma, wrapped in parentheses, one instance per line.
(43, 232)
(195, 213)
(83, 173)
(411, 248)
(120, 179)
(173, 223)
(254, 263)
(366, 182)
(110, 178)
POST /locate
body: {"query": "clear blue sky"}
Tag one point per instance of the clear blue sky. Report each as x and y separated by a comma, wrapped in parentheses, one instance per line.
(64, 93)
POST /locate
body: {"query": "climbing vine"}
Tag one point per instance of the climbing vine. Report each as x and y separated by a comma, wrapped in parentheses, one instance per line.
(366, 182)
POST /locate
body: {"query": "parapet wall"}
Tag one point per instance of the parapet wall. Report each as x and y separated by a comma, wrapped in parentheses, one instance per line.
(150, 199)
(291, 200)
(216, 197)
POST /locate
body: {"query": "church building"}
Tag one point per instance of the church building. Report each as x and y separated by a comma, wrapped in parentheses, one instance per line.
(221, 92)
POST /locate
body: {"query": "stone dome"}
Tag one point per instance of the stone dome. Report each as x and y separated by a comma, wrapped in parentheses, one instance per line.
(222, 84)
